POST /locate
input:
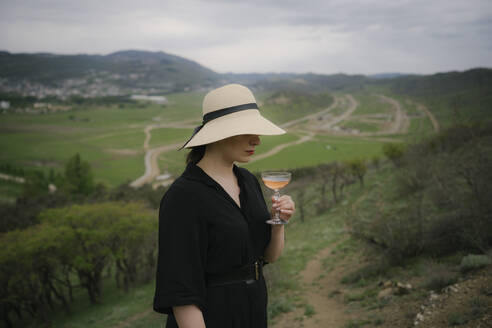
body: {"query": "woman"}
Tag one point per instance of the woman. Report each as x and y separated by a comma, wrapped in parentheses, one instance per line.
(213, 239)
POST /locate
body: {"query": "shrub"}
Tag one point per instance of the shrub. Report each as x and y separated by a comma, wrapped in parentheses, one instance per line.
(70, 249)
(281, 305)
(441, 202)
(473, 262)
(439, 276)
(309, 310)
(394, 152)
(364, 273)
(457, 319)
(375, 162)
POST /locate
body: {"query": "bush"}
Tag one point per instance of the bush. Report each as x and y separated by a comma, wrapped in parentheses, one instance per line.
(281, 305)
(441, 202)
(375, 162)
(394, 152)
(439, 276)
(457, 319)
(474, 262)
(309, 310)
(69, 249)
(366, 272)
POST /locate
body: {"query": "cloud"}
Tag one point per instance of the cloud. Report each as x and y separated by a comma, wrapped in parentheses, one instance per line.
(351, 36)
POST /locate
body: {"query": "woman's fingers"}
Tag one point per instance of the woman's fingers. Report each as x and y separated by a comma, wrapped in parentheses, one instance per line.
(286, 214)
(285, 205)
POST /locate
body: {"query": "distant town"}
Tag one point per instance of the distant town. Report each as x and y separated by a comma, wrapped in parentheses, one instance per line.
(96, 85)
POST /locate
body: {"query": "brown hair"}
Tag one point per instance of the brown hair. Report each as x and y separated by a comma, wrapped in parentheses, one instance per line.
(196, 154)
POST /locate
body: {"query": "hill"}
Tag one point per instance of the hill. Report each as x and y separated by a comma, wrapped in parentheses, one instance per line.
(26, 78)
(122, 72)
(307, 82)
(451, 96)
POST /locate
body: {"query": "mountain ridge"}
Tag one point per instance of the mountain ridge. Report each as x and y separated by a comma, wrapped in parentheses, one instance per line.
(133, 71)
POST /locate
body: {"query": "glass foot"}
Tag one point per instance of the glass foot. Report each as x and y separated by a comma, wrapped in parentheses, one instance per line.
(276, 221)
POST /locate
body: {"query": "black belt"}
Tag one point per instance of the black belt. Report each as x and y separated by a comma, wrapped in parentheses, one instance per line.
(248, 274)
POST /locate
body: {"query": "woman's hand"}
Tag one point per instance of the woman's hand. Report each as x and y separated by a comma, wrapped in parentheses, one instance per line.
(286, 206)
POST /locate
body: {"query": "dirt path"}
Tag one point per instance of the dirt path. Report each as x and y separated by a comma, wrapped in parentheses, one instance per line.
(9, 177)
(353, 104)
(319, 289)
(151, 166)
(431, 117)
(128, 322)
(151, 155)
(312, 116)
(401, 122)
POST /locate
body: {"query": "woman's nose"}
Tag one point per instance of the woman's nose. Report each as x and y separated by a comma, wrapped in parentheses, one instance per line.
(255, 140)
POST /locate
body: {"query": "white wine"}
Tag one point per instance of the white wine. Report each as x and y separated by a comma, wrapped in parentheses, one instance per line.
(275, 183)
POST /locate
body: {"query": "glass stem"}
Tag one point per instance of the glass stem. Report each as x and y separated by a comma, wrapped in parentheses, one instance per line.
(276, 195)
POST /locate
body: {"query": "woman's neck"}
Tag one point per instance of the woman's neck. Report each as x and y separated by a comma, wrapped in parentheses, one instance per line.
(214, 164)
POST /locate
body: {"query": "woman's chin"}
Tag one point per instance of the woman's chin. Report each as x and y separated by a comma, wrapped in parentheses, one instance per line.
(244, 159)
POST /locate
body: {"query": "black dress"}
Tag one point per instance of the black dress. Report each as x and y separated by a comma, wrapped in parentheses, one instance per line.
(203, 231)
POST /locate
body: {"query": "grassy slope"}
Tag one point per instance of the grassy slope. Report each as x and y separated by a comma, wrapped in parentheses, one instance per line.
(303, 239)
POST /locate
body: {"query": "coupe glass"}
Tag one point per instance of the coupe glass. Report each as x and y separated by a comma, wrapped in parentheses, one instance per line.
(276, 181)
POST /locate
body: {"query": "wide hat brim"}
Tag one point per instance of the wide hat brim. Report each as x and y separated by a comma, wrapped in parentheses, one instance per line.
(243, 122)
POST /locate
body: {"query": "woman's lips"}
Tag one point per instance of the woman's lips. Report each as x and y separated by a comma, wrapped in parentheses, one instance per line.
(250, 152)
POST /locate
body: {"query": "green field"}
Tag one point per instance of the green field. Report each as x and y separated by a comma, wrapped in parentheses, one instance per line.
(163, 136)
(361, 126)
(28, 141)
(112, 138)
(324, 149)
(371, 104)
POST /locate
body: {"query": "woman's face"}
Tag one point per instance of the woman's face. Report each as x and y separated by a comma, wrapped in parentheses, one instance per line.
(238, 148)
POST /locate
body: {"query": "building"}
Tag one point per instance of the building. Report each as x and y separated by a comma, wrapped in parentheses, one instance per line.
(4, 104)
(161, 100)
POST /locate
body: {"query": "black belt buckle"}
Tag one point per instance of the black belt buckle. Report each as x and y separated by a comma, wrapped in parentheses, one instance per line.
(257, 273)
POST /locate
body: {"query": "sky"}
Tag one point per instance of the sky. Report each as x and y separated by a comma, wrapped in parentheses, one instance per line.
(300, 36)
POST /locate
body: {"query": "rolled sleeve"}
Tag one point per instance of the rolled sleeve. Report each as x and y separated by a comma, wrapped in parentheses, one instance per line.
(181, 261)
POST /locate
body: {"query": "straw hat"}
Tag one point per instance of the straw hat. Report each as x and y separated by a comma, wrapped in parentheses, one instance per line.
(229, 111)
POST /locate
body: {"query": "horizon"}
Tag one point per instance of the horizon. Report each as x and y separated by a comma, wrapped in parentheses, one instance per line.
(229, 72)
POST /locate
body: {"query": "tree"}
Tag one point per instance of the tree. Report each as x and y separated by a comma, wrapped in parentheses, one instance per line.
(358, 168)
(324, 176)
(394, 152)
(336, 171)
(302, 195)
(35, 184)
(78, 176)
(375, 162)
(345, 177)
(90, 252)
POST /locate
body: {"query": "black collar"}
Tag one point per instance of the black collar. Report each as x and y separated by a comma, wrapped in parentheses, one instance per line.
(194, 172)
